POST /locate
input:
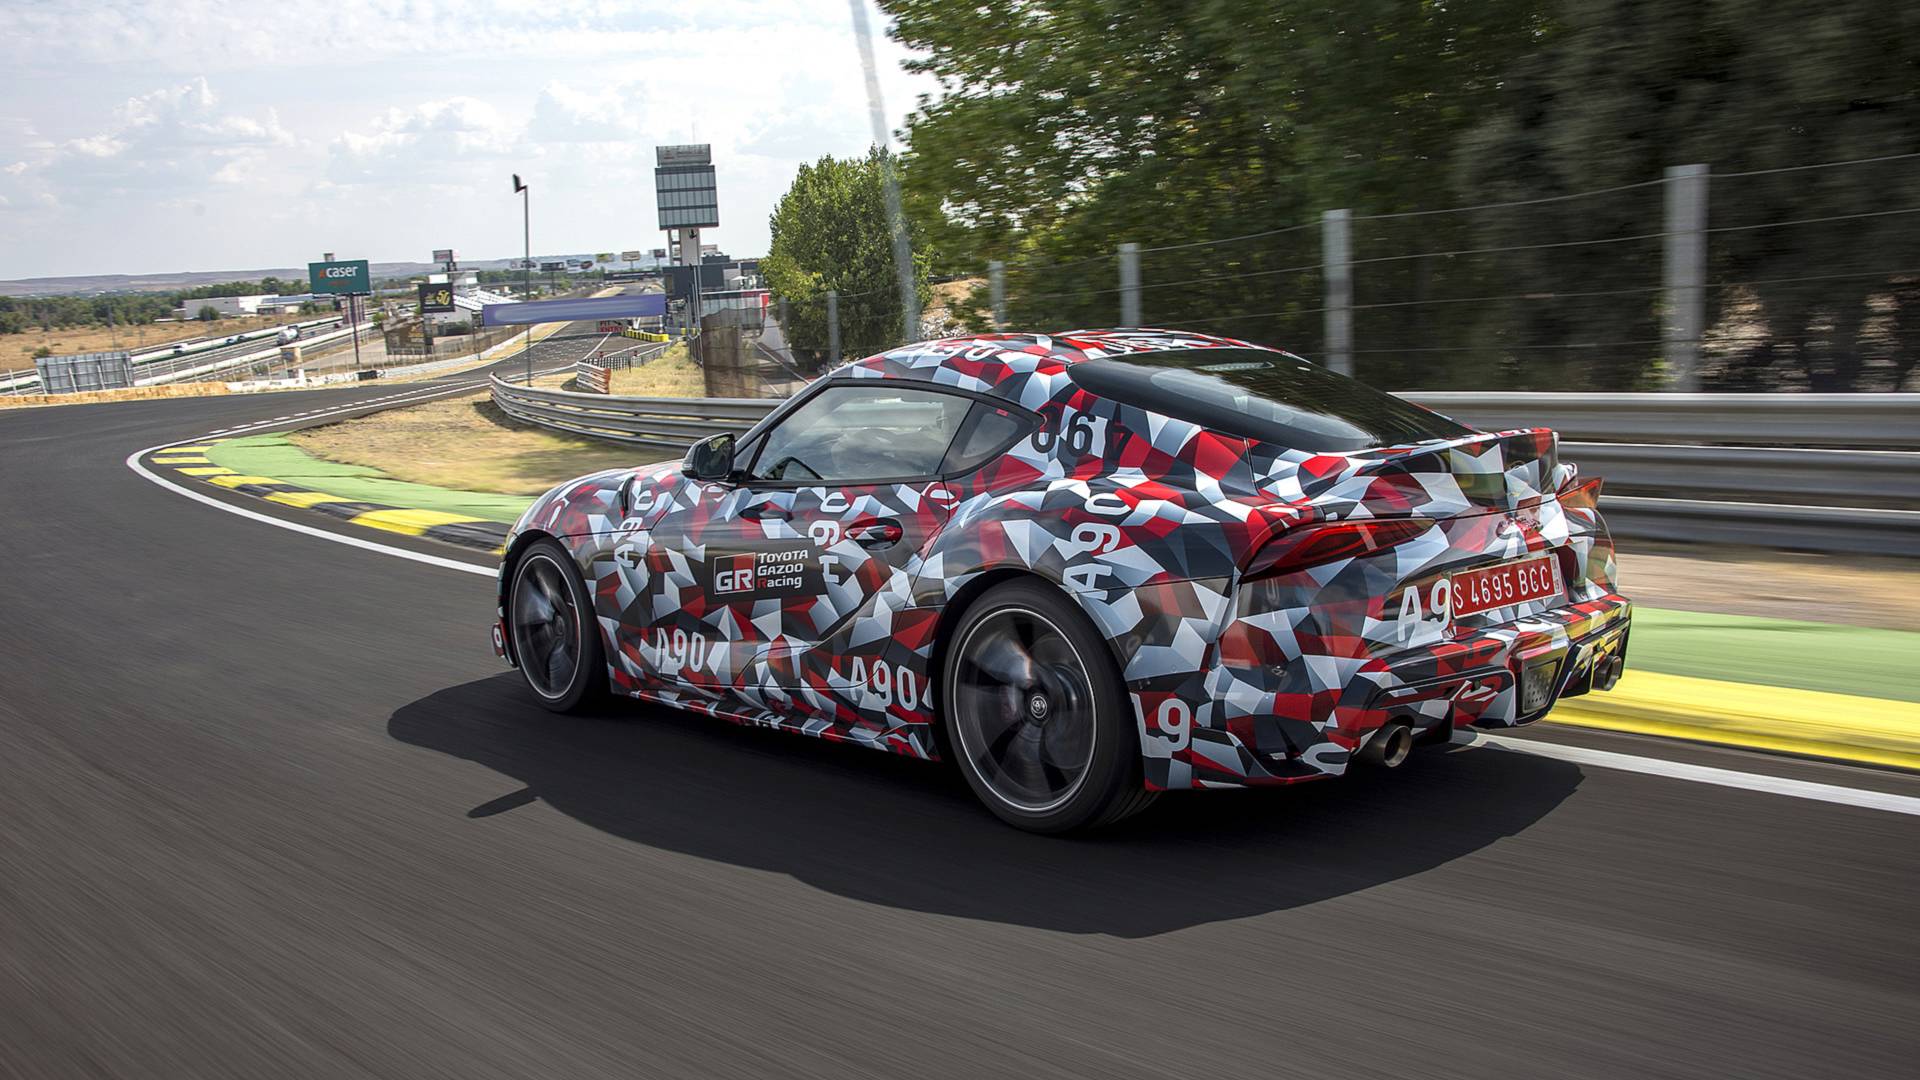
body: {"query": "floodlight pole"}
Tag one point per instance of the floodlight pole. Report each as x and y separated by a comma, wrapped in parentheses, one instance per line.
(526, 263)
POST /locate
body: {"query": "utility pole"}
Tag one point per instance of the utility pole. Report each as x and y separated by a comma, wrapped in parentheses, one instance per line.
(526, 264)
(833, 328)
(1336, 259)
(1685, 274)
(1129, 284)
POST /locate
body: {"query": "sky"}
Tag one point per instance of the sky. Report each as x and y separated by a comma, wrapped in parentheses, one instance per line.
(204, 135)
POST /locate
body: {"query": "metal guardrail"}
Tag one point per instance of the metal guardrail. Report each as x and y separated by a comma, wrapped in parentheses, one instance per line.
(163, 360)
(664, 423)
(591, 378)
(1882, 421)
(1725, 487)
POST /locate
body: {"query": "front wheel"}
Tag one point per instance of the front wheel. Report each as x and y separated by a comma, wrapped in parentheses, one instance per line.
(555, 641)
(1036, 714)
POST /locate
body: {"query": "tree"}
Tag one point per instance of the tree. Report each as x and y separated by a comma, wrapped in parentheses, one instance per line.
(830, 232)
(208, 313)
(1066, 127)
(1628, 87)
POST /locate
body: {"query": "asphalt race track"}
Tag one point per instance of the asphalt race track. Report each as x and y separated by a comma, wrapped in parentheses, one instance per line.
(269, 807)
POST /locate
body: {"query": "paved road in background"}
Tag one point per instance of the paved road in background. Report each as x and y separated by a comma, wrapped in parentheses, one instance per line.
(269, 807)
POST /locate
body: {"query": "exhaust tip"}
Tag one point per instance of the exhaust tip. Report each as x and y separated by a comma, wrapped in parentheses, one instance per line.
(1390, 745)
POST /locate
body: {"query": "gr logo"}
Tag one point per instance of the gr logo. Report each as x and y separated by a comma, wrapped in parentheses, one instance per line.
(733, 574)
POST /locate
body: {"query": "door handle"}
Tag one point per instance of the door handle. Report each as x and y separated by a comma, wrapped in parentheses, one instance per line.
(877, 535)
(763, 511)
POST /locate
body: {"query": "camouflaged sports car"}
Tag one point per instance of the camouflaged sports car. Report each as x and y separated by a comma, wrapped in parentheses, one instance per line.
(1086, 567)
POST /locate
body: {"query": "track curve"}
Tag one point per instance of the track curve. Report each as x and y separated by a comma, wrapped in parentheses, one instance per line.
(272, 808)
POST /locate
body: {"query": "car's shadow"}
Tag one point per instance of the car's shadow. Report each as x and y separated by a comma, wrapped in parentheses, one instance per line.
(909, 835)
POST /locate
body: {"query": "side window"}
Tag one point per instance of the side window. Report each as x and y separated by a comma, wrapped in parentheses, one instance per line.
(987, 434)
(861, 434)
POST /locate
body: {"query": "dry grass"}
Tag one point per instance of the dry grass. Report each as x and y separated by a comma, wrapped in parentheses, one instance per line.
(949, 302)
(1859, 590)
(673, 374)
(465, 444)
(16, 350)
(131, 393)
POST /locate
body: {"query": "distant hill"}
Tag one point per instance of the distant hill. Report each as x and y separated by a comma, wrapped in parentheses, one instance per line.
(93, 284)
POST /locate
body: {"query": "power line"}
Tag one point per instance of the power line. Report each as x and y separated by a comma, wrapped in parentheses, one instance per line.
(1230, 239)
(1816, 220)
(1251, 315)
(1513, 296)
(1515, 247)
(1816, 165)
(1504, 205)
(1814, 277)
(1207, 279)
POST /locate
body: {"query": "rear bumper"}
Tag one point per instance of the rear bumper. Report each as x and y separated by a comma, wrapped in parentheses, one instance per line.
(1306, 719)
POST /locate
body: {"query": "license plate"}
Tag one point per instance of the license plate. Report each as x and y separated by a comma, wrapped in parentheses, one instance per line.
(1474, 591)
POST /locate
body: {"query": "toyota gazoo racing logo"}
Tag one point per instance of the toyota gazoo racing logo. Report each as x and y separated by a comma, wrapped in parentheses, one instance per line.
(760, 571)
(733, 574)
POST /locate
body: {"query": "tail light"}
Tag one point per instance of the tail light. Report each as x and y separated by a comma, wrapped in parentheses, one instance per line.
(1582, 496)
(1318, 545)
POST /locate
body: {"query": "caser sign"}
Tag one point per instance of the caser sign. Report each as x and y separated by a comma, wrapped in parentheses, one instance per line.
(339, 278)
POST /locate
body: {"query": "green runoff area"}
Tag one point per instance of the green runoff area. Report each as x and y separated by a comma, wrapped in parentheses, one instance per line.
(1828, 657)
(273, 455)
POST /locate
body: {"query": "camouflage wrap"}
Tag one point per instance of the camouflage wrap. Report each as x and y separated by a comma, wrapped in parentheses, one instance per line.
(759, 605)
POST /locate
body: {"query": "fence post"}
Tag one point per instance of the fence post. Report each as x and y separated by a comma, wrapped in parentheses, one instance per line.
(1129, 284)
(1685, 273)
(997, 292)
(1336, 260)
(833, 327)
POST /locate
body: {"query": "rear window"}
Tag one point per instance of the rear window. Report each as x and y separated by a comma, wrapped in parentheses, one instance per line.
(1273, 397)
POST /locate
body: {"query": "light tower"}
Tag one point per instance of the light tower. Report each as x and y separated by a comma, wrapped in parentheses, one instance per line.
(687, 198)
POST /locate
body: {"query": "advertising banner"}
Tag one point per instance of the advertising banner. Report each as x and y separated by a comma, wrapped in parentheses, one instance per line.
(339, 278)
(436, 297)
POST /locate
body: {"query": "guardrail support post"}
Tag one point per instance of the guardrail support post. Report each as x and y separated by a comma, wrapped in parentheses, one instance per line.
(1685, 274)
(1336, 263)
(1129, 284)
(997, 292)
(833, 328)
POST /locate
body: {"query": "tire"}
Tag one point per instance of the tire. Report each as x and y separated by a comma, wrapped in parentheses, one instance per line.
(1036, 715)
(545, 580)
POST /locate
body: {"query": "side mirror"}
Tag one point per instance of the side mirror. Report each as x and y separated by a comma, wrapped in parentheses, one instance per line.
(710, 459)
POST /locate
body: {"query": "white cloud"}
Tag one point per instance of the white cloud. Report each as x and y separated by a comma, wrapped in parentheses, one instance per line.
(389, 127)
(417, 144)
(171, 138)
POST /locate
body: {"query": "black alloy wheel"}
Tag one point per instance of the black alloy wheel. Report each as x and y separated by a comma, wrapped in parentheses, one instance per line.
(555, 640)
(1036, 714)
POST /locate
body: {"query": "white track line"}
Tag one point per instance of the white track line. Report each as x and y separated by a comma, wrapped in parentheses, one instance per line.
(406, 397)
(1698, 774)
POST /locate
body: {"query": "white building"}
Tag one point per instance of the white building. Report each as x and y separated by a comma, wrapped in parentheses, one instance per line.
(226, 305)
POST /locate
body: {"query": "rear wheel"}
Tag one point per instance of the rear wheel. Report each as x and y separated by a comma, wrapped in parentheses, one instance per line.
(555, 641)
(1036, 714)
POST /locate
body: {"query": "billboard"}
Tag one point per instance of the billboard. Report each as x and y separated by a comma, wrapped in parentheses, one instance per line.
(629, 256)
(443, 255)
(684, 154)
(603, 257)
(436, 297)
(550, 267)
(339, 278)
(636, 305)
(659, 253)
